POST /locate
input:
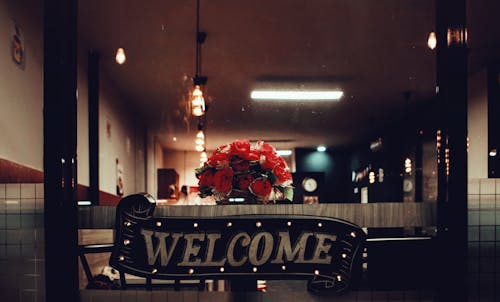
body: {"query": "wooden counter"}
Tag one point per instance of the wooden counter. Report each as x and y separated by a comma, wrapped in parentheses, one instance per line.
(370, 215)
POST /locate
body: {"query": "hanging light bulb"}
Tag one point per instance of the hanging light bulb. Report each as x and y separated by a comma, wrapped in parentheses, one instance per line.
(432, 40)
(120, 56)
(203, 158)
(197, 102)
(200, 134)
(199, 148)
(200, 141)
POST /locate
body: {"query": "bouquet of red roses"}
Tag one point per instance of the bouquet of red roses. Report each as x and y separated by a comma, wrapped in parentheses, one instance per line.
(239, 169)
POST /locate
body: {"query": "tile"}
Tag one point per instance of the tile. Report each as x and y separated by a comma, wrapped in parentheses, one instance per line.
(27, 236)
(27, 190)
(2, 206)
(487, 217)
(12, 251)
(487, 202)
(28, 205)
(28, 295)
(2, 190)
(487, 249)
(128, 296)
(473, 232)
(40, 206)
(144, 296)
(473, 186)
(85, 295)
(105, 295)
(12, 206)
(13, 237)
(159, 296)
(39, 190)
(28, 251)
(12, 221)
(487, 186)
(473, 217)
(487, 233)
(497, 189)
(2, 237)
(13, 191)
(27, 221)
(473, 201)
(379, 296)
(27, 282)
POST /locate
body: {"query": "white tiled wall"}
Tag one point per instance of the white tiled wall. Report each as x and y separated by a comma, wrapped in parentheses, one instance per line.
(22, 243)
(484, 239)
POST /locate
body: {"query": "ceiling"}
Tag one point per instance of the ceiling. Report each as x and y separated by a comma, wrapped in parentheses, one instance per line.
(374, 51)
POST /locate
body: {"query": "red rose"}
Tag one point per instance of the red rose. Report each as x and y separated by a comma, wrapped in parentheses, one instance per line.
(239, 164)
(240, 148)
(269, 160)
(206, 179)
(253, 155)
(282, 173)
(261, 187)
(219, 158)
(244, 181)
(223, 180)
(264, 147)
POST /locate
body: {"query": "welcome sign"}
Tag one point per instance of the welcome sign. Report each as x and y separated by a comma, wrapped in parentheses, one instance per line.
(323, 250)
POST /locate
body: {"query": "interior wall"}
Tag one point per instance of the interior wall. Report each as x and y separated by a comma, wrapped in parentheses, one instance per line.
(184, 163)
(478, 125)
(117, 143)
(21, 87)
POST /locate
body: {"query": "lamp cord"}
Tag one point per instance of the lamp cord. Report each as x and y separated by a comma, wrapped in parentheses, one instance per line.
(198, 44)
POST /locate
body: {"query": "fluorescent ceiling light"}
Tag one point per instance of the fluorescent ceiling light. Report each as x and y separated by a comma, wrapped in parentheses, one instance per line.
(297, 95)
(284, 152)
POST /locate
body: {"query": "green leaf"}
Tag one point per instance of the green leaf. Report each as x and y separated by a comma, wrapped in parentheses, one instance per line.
(288, 193)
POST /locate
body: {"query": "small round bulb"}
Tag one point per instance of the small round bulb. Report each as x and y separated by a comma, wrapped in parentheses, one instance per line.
(120, 56)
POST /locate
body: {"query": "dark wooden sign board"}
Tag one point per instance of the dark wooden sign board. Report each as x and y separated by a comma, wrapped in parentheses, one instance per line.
(323, 250)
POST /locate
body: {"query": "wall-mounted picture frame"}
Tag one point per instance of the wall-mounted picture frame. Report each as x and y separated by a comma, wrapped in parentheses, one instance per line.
(18, 53)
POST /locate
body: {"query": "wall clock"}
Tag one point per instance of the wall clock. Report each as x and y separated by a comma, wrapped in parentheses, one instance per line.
(309, 184)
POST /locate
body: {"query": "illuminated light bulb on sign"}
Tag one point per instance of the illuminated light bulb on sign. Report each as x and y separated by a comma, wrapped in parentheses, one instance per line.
(120, 56)
(408, 165)
(199, 148)
(371, 177)
(432, 40)
(221, 269)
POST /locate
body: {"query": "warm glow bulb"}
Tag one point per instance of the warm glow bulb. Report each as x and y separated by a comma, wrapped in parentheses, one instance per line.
(432, 40)
(197, 91)
(197, 111)
(199, 148)
(200, 141)
(120, 56)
